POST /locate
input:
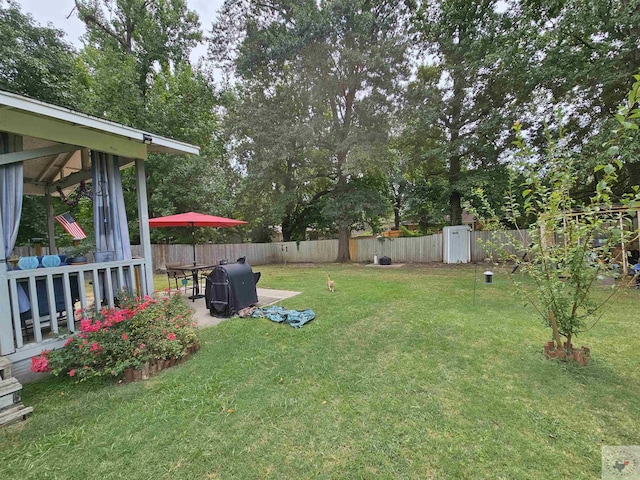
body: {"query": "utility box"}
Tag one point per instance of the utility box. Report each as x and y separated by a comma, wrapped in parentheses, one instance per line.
(456, 244)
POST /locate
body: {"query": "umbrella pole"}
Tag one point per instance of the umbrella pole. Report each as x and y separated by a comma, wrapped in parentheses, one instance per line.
(193, 241)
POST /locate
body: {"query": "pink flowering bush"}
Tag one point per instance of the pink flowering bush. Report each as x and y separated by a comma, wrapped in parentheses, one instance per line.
(111, 340)
(40, 363)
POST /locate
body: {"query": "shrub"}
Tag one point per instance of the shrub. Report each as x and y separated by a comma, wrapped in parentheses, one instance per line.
(570, 244)
(405, 232)
(111, 340)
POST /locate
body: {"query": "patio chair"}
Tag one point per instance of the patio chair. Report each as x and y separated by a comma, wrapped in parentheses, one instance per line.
(204, 274)
(181, 278)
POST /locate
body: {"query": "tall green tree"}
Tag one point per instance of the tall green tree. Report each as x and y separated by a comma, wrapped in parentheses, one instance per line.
(274, 145)
(182, 105)
(345, 58)
(36, 60)
(586, 55)
(463, 97)
(153, 32)
(128, 42)
(108, 75)
(138, 52)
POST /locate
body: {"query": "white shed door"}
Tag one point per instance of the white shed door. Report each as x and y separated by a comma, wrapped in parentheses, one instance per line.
(457, 244)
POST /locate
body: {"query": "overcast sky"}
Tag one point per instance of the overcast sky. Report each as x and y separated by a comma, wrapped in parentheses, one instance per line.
(57, 11)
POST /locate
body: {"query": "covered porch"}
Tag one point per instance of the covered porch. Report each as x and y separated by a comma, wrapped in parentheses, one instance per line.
(46, 150)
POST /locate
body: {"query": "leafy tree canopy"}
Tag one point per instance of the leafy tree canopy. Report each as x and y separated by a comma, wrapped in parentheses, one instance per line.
(339, 65)
(464, 95)
(34, 60)
(153, 32)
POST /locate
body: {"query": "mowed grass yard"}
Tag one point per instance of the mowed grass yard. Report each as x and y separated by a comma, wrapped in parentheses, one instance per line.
(400, 376)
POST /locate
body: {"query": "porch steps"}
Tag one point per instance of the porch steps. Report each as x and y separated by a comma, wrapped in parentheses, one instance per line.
(11, 408)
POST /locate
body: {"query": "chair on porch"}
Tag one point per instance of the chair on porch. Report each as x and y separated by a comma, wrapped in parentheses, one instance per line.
(43, 302)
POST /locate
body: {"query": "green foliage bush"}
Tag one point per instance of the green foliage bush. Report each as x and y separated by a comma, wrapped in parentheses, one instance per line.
(405, 232)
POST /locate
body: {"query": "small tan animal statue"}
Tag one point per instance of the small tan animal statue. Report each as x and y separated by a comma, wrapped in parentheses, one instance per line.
(331, 284)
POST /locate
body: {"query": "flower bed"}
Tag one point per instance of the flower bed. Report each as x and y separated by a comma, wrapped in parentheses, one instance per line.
(142, 332)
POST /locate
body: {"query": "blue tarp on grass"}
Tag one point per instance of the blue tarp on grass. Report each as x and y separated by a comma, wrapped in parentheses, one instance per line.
(295, 318)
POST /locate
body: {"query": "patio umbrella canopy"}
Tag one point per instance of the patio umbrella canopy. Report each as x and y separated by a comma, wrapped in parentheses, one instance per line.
(193, 219)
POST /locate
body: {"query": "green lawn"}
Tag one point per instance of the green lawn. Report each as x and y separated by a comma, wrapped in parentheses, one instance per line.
(400, 376)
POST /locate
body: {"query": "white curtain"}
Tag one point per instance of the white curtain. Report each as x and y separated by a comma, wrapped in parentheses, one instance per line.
(11, 186)
(109, 215)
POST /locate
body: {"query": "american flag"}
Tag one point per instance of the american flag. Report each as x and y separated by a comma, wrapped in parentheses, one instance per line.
(70, 225)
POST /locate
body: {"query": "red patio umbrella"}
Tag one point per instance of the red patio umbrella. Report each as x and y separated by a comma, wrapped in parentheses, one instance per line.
(192, 219)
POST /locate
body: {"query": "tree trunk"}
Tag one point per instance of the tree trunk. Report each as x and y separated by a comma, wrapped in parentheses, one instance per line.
(455, 200)
(456, 208)
(344, 233)
(554, 327)
(286, 229)
(455, 160)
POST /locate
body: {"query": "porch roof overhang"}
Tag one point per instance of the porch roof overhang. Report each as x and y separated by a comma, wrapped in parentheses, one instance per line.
(56, 142)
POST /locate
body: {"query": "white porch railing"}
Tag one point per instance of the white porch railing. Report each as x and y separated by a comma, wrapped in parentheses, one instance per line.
(54, 294)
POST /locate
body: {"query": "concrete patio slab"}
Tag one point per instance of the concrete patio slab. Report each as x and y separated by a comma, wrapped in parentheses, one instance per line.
(393, 265)
(266, 297)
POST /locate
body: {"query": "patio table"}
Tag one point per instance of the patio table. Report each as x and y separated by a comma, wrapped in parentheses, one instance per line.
(195, 275)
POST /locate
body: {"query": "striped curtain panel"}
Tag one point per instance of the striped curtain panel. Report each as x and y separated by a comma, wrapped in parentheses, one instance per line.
(109, 215)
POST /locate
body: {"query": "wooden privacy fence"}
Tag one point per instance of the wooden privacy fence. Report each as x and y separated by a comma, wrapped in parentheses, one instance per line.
(408, 249)
(403, 249)
(319, 251)
(428, 248)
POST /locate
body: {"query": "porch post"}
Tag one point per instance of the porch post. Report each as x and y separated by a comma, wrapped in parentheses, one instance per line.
(51, 232)
(143, 218)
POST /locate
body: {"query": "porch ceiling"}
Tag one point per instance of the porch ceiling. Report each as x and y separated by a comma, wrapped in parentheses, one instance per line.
(47, 170)
(56, 142)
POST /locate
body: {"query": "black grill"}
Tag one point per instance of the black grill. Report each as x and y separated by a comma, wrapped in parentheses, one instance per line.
(231, 288)
(385, 260)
